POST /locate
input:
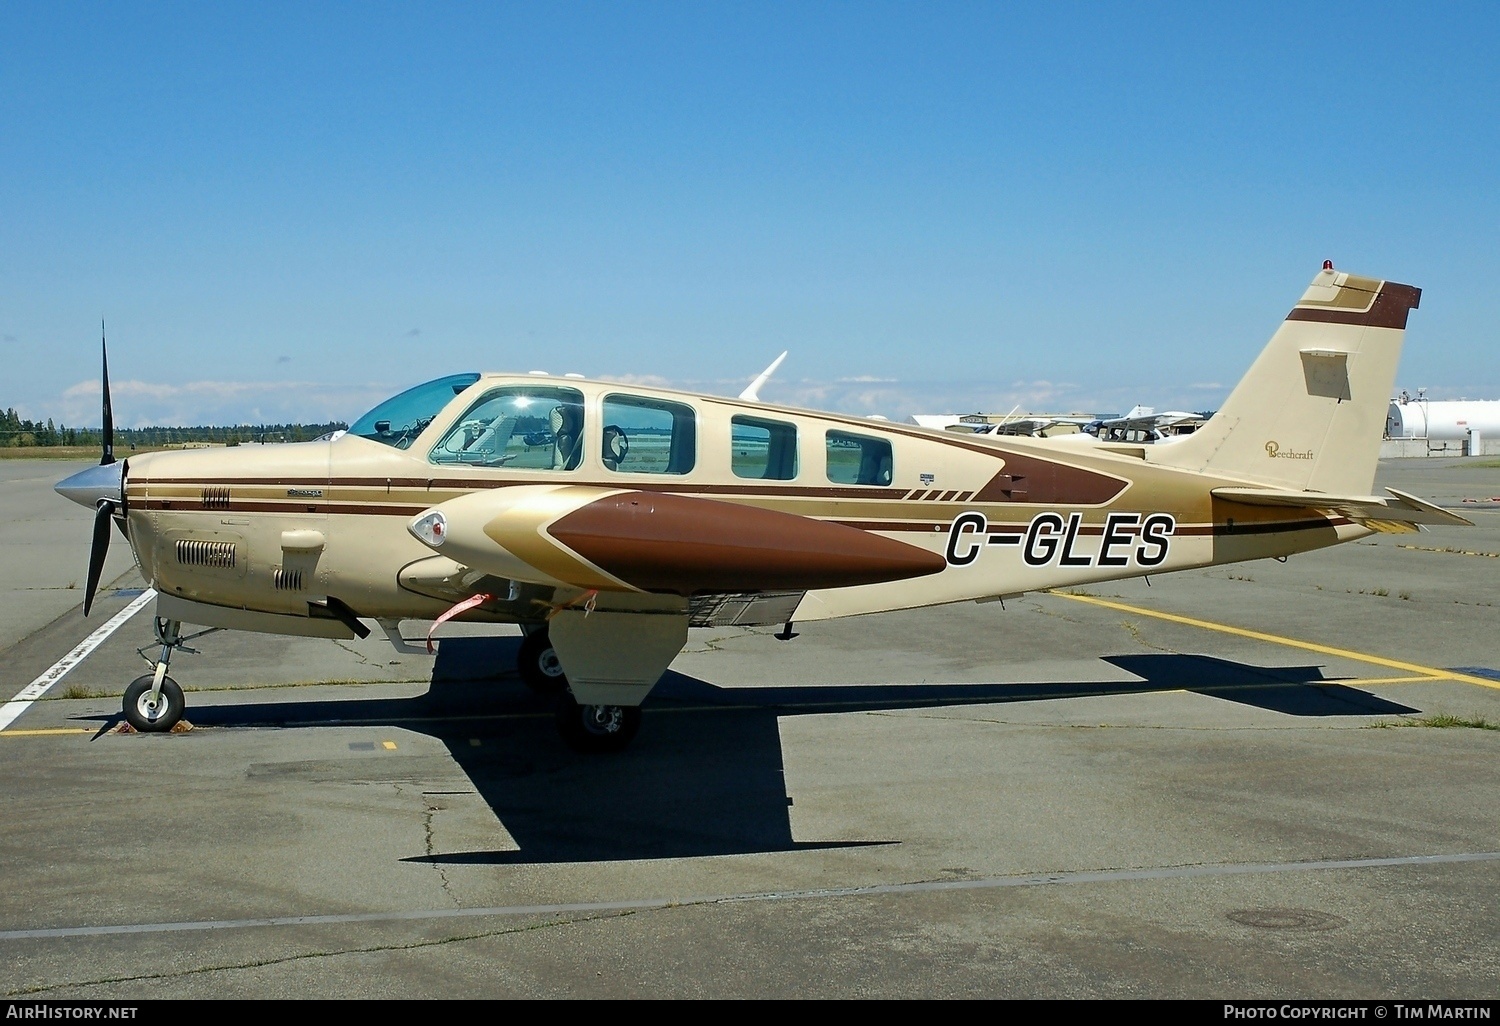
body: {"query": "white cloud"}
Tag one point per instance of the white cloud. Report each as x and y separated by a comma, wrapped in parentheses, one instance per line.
(649, 380)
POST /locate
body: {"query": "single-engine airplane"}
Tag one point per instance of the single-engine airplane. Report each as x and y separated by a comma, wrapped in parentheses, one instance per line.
(607, 519)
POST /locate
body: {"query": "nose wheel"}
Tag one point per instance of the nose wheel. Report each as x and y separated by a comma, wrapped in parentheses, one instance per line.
(153, 708)
(154, 702)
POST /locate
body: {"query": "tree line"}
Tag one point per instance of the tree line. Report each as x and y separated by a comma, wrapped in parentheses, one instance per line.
(16, 432)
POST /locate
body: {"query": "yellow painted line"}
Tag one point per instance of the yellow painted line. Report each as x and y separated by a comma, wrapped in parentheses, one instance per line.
(390, 746)
(1275, 639)
(40, 733)
(1388, 680)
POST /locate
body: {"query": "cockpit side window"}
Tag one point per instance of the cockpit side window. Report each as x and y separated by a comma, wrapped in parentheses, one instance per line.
(648, 436)
(859, 459)
(400, 419)
(523, 427)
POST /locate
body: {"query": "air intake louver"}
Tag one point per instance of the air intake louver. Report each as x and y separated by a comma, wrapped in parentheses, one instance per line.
(206, 553)
(216, 498)
(288, 580)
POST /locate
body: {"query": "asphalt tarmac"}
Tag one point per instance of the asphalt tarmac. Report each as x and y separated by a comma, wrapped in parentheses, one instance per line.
(1263, 781)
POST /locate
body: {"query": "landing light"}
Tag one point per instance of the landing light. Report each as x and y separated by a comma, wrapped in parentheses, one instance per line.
(432, 529)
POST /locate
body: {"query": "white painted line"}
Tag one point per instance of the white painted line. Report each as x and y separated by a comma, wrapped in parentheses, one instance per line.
(58, 670)
(823, 894)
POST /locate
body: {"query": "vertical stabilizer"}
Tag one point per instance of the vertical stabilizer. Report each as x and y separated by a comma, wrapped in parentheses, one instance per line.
(1310, 413)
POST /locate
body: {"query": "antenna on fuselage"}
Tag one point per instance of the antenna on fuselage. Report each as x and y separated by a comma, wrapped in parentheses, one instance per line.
(753, 392)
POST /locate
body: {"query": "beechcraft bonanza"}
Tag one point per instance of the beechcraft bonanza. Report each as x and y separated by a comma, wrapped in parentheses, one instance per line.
(606, 520)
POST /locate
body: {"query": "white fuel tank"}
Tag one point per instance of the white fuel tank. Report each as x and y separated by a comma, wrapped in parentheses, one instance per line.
(1443, 420)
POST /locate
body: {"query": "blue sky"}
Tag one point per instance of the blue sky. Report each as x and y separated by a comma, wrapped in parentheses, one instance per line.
(290, 211)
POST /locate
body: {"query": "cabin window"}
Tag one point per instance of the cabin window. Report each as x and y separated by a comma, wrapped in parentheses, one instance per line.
(763, 449)
(648, 436)
(859, 459)
(400, 419)
(525, 427)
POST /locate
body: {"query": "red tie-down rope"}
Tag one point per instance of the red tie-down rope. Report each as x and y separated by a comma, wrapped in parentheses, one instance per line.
(588, 598)
(462, 607)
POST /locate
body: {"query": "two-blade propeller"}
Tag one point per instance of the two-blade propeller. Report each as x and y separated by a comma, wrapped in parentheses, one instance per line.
(101, 489)
(107, 507)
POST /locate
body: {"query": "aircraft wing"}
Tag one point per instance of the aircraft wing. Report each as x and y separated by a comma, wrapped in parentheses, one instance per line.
(624, 540)
(1148, 421)
(1400, 511)
(1020, 426)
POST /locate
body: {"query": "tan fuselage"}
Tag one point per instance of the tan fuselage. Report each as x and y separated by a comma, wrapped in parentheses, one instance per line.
(277, 529)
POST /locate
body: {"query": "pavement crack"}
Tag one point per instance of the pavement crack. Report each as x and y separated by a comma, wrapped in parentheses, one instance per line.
(359, 655)
(368, 949)
(1134, 631)
(430, 849)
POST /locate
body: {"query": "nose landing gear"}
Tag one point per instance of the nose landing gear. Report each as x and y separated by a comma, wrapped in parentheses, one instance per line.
(154, 702)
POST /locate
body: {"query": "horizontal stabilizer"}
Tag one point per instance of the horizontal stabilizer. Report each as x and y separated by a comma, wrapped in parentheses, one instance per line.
(1365, 509)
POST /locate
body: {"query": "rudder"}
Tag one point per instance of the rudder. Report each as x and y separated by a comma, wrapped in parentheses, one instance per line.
(1310, 413)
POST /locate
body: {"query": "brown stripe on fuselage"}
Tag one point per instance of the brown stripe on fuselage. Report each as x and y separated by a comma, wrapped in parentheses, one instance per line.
(484, 484)
(1239, 529)
(1030, 480)
(187, 505)
(182, 505)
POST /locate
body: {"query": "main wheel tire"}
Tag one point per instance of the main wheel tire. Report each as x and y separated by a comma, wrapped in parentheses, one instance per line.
(593, 729)
(156, 718)
(538, 665)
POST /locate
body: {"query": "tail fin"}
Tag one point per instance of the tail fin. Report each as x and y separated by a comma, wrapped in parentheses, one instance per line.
(1310, 412)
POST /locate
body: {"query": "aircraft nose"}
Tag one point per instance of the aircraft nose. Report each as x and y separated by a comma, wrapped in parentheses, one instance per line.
(89, 487)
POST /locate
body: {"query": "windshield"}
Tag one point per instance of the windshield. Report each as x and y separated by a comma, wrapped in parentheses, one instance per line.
(401, 418)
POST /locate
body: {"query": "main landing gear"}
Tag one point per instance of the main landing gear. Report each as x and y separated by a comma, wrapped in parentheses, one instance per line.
(584, 728)
(539, 666)
(154, 702)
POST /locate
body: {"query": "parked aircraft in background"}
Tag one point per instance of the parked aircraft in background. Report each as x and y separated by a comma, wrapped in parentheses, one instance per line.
(608, 519)
(1143, 424)
(1025, 425)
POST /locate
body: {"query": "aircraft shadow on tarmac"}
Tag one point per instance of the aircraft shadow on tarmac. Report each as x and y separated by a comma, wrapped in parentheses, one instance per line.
(705, 777)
